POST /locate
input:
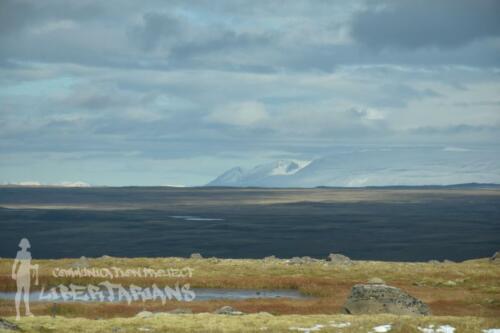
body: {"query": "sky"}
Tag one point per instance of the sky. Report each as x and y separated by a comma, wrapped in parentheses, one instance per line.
(176, 92)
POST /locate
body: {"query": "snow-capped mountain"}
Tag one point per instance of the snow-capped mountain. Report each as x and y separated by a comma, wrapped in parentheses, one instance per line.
(260, 174)
(373, 167)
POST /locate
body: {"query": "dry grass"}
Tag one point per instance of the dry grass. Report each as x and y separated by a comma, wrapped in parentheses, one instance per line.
(252, 323)
(476, 291)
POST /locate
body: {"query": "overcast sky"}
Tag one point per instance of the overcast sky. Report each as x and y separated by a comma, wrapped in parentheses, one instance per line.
(176, 92)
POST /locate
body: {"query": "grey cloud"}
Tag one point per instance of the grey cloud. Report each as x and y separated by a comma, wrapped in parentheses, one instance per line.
(16, 15)
(156, 28)
(427, 23)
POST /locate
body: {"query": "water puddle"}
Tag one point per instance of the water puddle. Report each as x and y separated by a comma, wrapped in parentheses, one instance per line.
(200, 295)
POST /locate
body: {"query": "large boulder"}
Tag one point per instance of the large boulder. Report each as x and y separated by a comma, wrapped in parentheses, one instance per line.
(380, 298)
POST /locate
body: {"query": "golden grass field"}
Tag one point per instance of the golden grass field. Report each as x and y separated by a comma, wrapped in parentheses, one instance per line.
(470, 302)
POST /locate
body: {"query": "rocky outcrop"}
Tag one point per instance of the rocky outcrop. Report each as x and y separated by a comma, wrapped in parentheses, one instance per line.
(380, 298)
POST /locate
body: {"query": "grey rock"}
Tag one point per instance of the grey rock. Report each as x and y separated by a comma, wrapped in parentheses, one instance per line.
(213, 260)
(144, 314)
(228, 310)
(377, 298)
(271, 258)
(339, 259)
(7, 325)
(495, 258)
(196, 256)
(83, 262)
(264, 313)
(446, 261)
(450, 283)
(301, 260)
(434, 262)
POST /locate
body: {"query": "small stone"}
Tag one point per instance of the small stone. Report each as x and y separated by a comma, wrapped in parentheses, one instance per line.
(339, 259)
(228, 310)
(376, 280)
(144, 314)
(83, 262)
(495, 258)
(270, 258)
(213, 260)
(196, 256)
(302, 260)
(450, 283)
(446, 261)
(263, 313)
(106, 257)
(434, 262)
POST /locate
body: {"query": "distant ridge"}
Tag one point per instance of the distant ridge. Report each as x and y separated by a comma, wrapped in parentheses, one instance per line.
(398, 167)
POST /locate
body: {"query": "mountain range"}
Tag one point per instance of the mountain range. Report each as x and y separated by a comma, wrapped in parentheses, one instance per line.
(375, 167)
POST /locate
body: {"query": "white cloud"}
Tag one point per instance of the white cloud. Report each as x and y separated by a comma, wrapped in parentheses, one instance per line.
(29, 183)
(75, 184)
(241, 114)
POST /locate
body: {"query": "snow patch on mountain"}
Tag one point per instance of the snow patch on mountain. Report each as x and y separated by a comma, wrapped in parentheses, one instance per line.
(374, 167)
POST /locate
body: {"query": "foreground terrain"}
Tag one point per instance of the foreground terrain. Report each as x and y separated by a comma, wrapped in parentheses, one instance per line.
(464, 295)
(263, 323)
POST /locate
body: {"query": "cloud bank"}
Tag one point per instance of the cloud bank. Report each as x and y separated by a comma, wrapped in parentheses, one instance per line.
(154, 92)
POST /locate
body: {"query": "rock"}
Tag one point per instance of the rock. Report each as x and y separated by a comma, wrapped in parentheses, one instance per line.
(213, 260)
(434, 262)
(196, 256)
(264, 313)
(450, 283)
(7, 325)
(83, 262)
(339, 259)
(446, 261)
(301, 260)
(228, 310)
(181, 311)
(377, 298)
(376, 280)
(271, 258)
(106, 257)
(144, 314)
(495, 258)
